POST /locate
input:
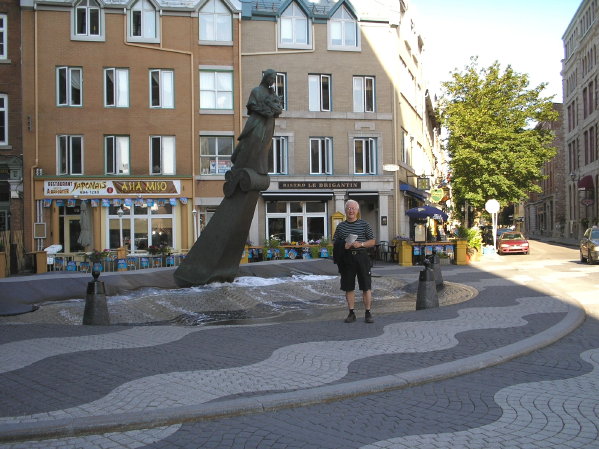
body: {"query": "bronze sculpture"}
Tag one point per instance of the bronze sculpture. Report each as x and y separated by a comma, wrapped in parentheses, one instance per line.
(216, 254)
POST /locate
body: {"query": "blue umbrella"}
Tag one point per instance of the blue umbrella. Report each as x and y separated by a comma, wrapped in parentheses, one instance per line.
(427, 212)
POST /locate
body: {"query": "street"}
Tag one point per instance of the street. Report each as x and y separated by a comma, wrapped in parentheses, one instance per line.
(547, 398)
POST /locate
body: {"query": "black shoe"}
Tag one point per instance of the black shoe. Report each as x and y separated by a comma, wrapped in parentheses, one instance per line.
(351, 317)
(368, 318)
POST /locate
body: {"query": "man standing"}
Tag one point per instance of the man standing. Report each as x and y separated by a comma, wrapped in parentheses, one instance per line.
(352, 238)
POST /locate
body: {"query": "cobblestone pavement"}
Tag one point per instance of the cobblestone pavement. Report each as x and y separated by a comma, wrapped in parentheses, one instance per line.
(513, 367)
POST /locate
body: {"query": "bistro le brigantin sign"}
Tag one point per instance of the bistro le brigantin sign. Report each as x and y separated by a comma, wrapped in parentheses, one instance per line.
(111, 188)
(320, 185)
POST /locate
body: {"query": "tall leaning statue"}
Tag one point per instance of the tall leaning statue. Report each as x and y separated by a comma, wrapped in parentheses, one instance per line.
(216, 254)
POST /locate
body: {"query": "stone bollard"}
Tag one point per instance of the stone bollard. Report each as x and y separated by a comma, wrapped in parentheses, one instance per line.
(96, 310)
(426, 297)
(437, 271)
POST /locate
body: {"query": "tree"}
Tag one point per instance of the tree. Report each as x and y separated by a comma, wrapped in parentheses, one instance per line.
(496, 151)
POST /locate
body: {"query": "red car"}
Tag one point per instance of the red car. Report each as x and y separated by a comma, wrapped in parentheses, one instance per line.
(512, 242)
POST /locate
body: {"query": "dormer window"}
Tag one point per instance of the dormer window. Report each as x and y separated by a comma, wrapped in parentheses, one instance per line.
(215, 23)
(87, 20)
(143, 22)
(294, 29)
(343, 31)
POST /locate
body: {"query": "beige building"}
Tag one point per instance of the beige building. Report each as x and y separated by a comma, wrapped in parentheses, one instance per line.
(580, 73)
(358, 122)
(119, 97)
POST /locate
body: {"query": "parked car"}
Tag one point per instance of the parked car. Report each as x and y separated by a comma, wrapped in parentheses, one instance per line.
(589, 246)
(512, 242)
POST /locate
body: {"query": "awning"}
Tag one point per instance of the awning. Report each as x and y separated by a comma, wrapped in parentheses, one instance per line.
(413, 191)
(296, 196)
(585, 183)
(362, 195)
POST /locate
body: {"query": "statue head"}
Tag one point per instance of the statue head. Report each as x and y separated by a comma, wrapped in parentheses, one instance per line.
(269, 77)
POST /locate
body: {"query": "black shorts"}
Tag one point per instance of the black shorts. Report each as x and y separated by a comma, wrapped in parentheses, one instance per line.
(356, 263)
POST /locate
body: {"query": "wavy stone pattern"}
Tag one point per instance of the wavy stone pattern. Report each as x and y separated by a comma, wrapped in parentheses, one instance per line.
(19, 354)
(298, 366)
(539, 414)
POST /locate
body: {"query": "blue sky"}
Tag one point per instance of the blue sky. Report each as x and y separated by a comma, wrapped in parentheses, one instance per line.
(526, 34)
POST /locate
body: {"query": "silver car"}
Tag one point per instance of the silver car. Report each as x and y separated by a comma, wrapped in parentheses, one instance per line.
(589, 246)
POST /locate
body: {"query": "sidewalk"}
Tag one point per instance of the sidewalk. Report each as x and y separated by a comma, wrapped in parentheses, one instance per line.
(58, 380)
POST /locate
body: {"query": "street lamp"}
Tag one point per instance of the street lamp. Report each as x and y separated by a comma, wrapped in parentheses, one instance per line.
(120, 213)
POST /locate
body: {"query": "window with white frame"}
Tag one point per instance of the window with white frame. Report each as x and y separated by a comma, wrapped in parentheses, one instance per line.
(277, 156)
(343, 31)
(116, 88)
(215, 154)
(69, 155)
(162, 89)
(215, 22)
(321, 155)
(3, 37)
(143, 21)
(69, 86)
(281, 88)
(364, 156)
(87, 20)
(216, 90)
(141, 225)
(296, 221)
(162, 155)
(3, 119)
(117, 155)
(319, 92)
(364, 96)
(294, 28)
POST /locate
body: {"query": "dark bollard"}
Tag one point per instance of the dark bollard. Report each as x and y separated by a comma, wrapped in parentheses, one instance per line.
(426, 297)
(96, 310)
(437, 271)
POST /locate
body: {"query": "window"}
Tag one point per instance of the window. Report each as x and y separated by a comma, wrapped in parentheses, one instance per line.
(321, 155)
(343, 31)
(69, 89)
(162, 155)
(277, 157)
(117, 155)
(296, 221)
(116, 88)
(69, 155)
(3, 37)
(215, 154)
(281, 88)
(319, 88)
(215, 22)
(216, 90)
(363, 94)
(87, 19)
(293, 28)
(151, 224)
(162, 89)
(143, 21)
(3, 119)
(365, 156)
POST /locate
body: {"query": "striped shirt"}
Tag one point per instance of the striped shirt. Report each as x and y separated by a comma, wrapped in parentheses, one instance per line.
(359, 227)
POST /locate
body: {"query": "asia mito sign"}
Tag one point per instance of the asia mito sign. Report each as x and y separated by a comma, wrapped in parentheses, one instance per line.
(111, 188)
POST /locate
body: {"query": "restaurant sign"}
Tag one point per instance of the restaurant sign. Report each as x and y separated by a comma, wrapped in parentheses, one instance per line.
(111, 188)
(320, 185)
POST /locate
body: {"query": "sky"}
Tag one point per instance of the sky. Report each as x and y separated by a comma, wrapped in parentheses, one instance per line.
(526, 34)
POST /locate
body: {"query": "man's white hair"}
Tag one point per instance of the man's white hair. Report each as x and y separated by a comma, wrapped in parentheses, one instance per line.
(348, 202)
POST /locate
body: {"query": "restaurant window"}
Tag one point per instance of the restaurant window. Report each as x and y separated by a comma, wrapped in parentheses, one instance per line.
(296, 221)
(143, 224)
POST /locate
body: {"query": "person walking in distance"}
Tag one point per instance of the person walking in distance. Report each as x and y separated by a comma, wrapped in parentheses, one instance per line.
(352, 238)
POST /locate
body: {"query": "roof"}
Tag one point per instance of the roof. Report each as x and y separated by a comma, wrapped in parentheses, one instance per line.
(234, 5)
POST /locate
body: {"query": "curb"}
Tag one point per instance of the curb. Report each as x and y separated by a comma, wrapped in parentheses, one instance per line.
(61, 428)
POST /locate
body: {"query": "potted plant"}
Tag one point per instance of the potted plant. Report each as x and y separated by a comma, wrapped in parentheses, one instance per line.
(474, 241)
